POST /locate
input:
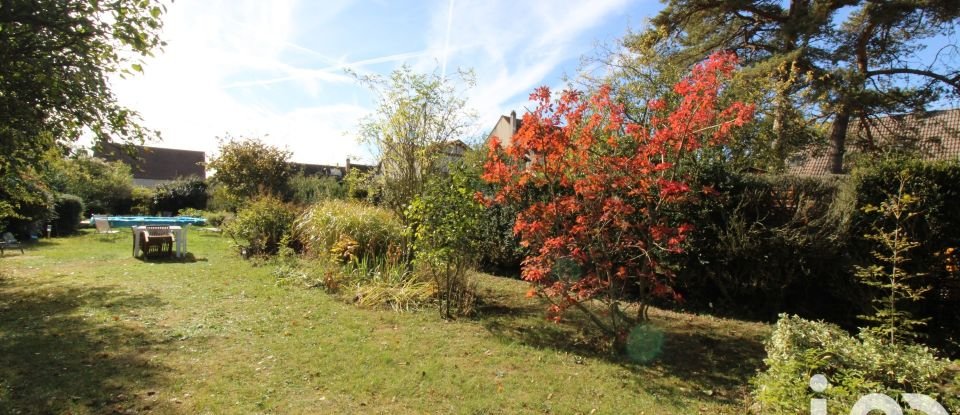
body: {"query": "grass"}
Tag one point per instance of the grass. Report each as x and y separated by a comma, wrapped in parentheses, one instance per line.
(85, 328)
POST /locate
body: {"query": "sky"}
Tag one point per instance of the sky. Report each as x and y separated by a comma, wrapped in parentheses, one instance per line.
(276, 69)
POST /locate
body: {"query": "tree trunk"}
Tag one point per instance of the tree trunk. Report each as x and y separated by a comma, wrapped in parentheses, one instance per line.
(779, 144)
(838, 139)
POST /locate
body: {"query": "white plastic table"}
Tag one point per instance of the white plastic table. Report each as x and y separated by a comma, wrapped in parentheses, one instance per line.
(179, 236)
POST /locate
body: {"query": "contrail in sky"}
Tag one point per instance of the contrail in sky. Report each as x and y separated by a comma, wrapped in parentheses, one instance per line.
(446, 42)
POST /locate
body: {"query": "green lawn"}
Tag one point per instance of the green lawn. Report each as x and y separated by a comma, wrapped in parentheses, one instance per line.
(85, 328)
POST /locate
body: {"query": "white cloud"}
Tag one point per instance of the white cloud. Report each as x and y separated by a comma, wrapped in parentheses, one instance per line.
(514, 46)
(230, 66)
(182, 92)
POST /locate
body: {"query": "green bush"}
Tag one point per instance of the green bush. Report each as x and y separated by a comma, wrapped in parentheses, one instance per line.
(764, 244)
(191, 212)
(447, 222)
(261, 225)
(190, 192)
(854, 366)
(25, 204)
(141, 198)
(216, 219)
(105, 187)
(69, 210)
(307, 190)
(349, 230)
(213, 219)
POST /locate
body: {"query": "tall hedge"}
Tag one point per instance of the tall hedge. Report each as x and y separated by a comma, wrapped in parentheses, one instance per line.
(190, 192)
(768, 244)
(69, 212)
(936, 186)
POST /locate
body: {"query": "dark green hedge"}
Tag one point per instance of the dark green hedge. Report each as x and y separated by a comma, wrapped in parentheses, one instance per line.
(936, 227)
(69, 212)
(767, 244)
(183, 193)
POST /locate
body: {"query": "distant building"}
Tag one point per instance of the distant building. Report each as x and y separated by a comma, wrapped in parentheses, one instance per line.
(934, 135)
(153, 165)
(505, 128)
(338, 172)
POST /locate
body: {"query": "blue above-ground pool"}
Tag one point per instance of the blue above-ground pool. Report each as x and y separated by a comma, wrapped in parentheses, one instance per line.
(128, 221)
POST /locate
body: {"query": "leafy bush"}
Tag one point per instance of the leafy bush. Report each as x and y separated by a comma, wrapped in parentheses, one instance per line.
(25, 202)
(216, 219)
(349, 230)
(500, 249)
(307, 190)
(446, 220)
(69, 210)
(189, 192)
(192, 212)
(141, 198)
(260, 227)
(854, 366)
(105, 187)
(246, 168)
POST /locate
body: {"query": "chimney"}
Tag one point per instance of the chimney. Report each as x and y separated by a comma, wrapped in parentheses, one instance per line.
(513, 122)
(348, 164)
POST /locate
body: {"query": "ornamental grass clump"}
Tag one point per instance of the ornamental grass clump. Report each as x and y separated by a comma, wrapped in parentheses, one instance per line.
(346, 230)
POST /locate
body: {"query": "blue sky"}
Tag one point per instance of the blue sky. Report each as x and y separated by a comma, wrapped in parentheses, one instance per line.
(276, 69)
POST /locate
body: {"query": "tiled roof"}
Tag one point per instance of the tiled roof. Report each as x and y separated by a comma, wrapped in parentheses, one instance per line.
(936, 135)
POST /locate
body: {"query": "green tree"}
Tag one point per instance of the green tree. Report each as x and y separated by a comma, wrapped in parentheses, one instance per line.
(447, 223)
(55, 60)
(105, 187)
(805, 61)
(248, 167)
(416, 117)
(892, 321)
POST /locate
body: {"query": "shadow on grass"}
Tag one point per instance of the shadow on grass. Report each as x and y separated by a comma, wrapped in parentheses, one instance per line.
(55, 359)
(712, 363)
(185, 259)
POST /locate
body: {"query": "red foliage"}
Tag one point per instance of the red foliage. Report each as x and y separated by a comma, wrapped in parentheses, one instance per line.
(594, 185)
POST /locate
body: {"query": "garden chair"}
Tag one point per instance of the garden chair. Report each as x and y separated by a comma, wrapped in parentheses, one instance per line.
(156, 241)
(103, 228)
(9, 241)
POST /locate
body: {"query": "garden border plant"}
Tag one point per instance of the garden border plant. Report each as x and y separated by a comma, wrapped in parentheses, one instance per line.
(601, 193)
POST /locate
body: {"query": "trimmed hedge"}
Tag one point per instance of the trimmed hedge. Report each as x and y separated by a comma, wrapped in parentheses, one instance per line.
(936, 185)
(768, 244)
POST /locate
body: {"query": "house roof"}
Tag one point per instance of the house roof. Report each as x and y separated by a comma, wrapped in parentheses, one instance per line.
(935, 135)
(156, 163)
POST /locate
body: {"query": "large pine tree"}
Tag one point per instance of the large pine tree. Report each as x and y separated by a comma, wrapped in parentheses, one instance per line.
(808, 60)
